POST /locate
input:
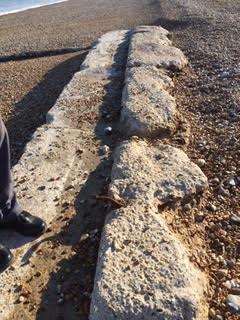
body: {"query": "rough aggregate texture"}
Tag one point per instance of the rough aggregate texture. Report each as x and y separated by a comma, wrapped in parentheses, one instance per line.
(102, 56)
(52, 164)
(154, 174)
(99, 78)
(148, 110)
(152, 47)
(143, 271)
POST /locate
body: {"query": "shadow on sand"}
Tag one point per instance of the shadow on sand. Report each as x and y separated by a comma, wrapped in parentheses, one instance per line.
(30, 112)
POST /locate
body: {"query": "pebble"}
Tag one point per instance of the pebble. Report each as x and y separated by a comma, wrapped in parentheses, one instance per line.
(235, 219)
(211, 313)
(212, 207)
(187, 207)
(104, 149)
(215, 180)
(108, 131)
(60, 301)
(222, 272)
(231, 182)
(84, 237)
(223, 191)
(233, 302)
(201, 162)
(199, 217)
(233, 286)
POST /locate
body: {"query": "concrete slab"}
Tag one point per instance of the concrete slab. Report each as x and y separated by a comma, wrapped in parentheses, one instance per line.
(99, 79)
(144, 271)
(108, 53)
(148, 110)
(152, 47)
(155, 174)
(40, 177)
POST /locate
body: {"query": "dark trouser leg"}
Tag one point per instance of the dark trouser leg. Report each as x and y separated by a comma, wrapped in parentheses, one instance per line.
(8, 203)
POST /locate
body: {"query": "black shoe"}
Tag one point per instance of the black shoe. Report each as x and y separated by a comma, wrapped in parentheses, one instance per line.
(5, 258)
(24, 223)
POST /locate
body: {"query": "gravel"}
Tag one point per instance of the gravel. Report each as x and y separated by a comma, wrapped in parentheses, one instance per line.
(208, 97)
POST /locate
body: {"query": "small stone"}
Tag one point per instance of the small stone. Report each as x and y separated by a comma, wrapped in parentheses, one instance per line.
(187, 207)
(235, 219)
(223, 191)
(233, 302)
(215, 180)
(222, 272)
(41, 188)
(231, 182)
(21, 298)
(233, 286)
(200, 217)
(201, 162)
(104, 149)
(212, 207)
(224, 74)
(84, 237)
(108, 131)
(212, 313)
(60, 301)
(50, 179)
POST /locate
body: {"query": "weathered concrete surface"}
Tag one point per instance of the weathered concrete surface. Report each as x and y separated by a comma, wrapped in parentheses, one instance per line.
(40, 178)
(148, 110)
(108, 54)
(51, 158)
(41, 173)
(100, 77)
(150, 46)
(144, 272)
(79, 98)
(154, 174)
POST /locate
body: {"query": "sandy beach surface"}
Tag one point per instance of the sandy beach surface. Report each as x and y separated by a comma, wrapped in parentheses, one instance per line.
(207, 94)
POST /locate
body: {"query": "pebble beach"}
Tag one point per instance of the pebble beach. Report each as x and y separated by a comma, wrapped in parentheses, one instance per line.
(207, 93)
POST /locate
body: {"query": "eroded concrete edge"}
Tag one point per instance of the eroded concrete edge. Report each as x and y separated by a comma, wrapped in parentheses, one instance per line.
(143, 269)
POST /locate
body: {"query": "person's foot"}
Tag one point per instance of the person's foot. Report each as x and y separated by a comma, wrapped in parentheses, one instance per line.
(5, 258)
(24, 223)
